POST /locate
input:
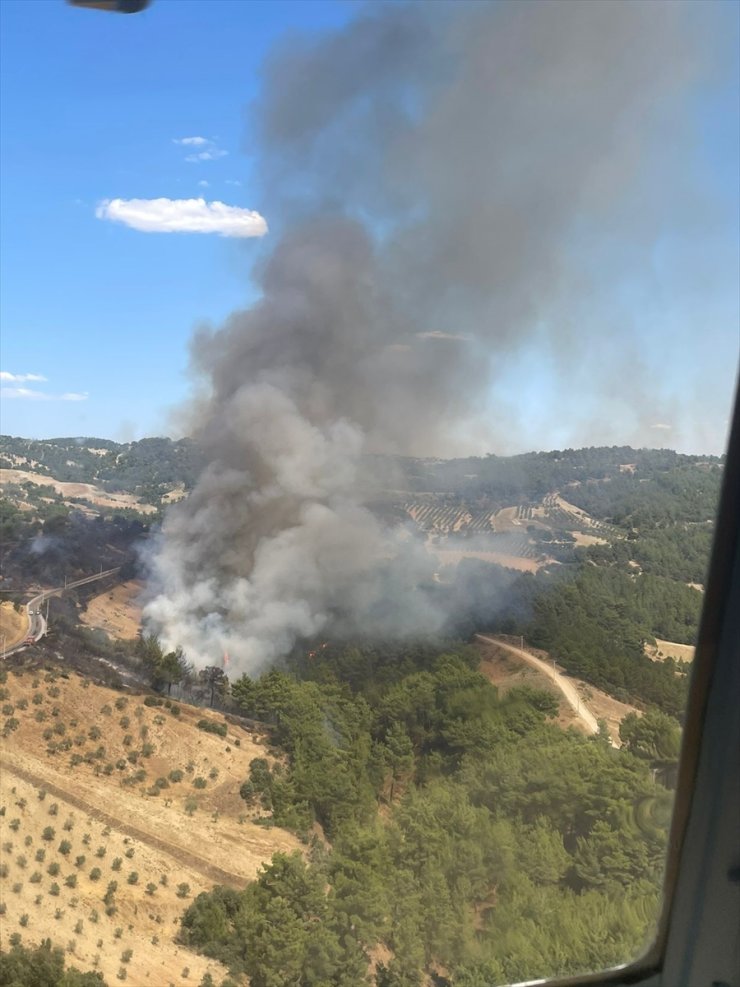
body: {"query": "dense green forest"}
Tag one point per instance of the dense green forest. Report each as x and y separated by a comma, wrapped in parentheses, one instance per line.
(454, 820)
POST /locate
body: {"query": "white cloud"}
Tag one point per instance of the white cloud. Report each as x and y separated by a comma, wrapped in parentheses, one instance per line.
(203, 183)
(662, 425)
(28, 394)
(20, 378)
(233, 181)
(183, 216)
(436, 334)
(191, 141)
(210, 154)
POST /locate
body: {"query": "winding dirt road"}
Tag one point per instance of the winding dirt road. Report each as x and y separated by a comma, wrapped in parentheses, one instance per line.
(564, 685)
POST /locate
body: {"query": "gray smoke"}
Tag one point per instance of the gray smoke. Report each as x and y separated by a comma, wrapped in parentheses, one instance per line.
(442, 182)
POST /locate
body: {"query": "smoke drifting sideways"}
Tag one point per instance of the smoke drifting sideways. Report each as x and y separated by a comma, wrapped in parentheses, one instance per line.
(439, 178)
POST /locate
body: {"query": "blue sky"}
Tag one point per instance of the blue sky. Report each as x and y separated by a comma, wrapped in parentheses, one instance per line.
(93, 107)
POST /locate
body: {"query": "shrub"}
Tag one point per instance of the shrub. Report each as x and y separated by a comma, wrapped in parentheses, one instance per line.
(21, 861)
(35, 878)
(213, 774)
(191, 804)
(53, 809)
(53, 869)
(41, 854)
(147, 750)
(39, 716)
(199, 782)
(94, 919)
(71, 881)
(116, 865)
(118, 933)
(22, 704)
(75, 760)
(95, 874)
(128, 740)
(122, 973)
(17, 887)
(106, 710)
(23, 920)
(129, 852)
(69, 825)
(162, 783)
(209, 726)
(133, 877)
(64, 847)
(94, 733)
(176, 775)
(15, 939)
(37, 699)
(183, 890)
(80, 860)
(153, 701)
(121, 703)
(126, 955)
(15, 825)
(151, 888)
(54, 890)
(79, 927)
(100, 852)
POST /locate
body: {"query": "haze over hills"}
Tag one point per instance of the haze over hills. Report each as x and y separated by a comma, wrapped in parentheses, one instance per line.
(368, 748)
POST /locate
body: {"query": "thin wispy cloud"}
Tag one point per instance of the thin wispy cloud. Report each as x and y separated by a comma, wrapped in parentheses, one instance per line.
(661, 426)
(201, 148)
(203, 183)
(30, 394)
(233, 181)
(183, 216)
(210, 154)
(20, 378)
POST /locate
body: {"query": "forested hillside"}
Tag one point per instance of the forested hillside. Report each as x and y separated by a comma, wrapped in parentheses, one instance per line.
(457, 819)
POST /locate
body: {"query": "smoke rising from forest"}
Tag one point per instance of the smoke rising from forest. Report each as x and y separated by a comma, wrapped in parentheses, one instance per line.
(445, 185)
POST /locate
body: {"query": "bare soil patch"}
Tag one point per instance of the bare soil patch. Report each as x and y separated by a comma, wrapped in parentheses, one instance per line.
(586, 540)
(670, 649)
(116, 611)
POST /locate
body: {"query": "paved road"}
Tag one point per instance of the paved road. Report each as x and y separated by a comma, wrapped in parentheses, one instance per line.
(565, 685)
(36, 620)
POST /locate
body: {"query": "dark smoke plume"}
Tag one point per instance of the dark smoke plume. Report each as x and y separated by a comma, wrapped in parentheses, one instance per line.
(443, 182)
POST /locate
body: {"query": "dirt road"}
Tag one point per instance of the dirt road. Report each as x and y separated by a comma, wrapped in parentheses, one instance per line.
(564, 685)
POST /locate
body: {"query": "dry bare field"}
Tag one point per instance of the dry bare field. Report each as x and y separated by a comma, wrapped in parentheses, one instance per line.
(97, 787)
(86, 490)
(13, 625)
(670, 649)
(116, 611)
(448, 556)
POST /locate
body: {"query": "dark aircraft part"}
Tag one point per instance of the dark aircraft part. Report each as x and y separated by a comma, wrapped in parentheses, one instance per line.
(117, 6)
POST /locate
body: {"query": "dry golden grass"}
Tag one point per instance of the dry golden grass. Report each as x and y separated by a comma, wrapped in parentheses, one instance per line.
(190, 835)
(116, 611)
(13, 625)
